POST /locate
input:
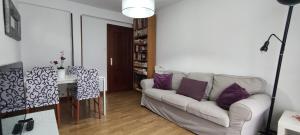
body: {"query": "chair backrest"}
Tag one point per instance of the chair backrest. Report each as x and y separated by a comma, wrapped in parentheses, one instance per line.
(74, 70)
(42, 89)
(88, 84)
(12, 99)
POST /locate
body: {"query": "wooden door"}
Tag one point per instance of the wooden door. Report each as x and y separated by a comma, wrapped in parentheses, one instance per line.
(119, 58)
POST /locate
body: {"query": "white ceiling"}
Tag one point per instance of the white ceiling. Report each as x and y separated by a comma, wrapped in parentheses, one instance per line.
(116, 5)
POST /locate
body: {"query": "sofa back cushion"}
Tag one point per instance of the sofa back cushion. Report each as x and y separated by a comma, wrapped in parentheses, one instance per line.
(176, 79)
(192, 88)
(230, 95)
(252, 85)
(162, 81)
(206, 77)
(178, 76)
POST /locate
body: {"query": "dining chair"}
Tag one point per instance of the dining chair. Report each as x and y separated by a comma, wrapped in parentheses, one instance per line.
(88, 86)
(74, 70)
(42, 89)
(12, 99)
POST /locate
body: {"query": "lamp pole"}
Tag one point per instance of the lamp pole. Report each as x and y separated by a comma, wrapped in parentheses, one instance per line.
(286, 31)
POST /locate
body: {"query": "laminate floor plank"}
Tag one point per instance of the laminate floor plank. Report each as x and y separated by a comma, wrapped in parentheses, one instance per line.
(125, 116)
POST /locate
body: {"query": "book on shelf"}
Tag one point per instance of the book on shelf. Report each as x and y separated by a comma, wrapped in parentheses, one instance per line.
(140, 41)
(142, 33)
(140, 48)
(138, 89)
(140, 23)
(142, 56)
(140, 71)
(140, 64)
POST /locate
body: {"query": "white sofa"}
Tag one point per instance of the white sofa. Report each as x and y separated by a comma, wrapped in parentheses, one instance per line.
(244, 117)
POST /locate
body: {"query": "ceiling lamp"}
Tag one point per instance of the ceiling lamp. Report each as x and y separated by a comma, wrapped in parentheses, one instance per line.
(138, 8)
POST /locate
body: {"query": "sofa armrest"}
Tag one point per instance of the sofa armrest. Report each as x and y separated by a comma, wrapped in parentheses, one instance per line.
(246, 109)
(147, 83)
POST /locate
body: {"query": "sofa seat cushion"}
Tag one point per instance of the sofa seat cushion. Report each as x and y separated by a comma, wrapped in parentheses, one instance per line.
(178, 101)
(157, 93)
(209, 110)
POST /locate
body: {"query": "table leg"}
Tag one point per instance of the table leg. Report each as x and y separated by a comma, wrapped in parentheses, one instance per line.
(58, 115)
(104, 102)
(104, 96)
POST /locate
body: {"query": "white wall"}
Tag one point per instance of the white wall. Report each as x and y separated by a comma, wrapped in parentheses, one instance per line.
(94, 42)
(77, 10)
(9, 48)
(225, 37)
(45, 34)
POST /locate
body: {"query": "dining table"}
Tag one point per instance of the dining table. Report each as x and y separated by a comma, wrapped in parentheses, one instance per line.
(67, 79)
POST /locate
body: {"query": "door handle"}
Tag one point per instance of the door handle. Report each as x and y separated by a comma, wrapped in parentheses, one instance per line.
(111, 61)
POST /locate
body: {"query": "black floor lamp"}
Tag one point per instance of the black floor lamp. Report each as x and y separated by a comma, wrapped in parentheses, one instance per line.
(264, 48)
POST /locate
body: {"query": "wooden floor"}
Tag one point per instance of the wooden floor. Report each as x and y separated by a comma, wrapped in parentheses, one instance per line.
(125, 116)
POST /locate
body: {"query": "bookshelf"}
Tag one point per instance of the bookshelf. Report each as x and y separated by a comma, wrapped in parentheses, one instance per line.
(144, 49)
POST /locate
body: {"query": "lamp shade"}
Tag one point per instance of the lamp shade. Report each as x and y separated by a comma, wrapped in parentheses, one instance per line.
(138, 8)
(265, 47)
(289, 2)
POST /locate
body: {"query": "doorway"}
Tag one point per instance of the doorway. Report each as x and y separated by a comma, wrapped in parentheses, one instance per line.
(119, 58)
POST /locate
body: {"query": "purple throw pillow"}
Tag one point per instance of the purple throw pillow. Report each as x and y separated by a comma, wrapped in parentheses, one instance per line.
(230, 95)
(163, 81)
(192, 88)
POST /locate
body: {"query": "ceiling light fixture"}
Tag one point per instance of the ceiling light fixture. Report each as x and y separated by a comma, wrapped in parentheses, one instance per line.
(138, 8)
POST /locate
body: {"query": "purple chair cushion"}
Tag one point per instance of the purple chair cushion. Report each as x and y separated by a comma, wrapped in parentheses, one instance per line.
(230, 95)
(163, 81)
(192, 88)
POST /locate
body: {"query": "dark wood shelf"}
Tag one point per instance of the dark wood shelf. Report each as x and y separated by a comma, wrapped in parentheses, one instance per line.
(140, 60)
(145, 51)
(141, 37)
(140, 75)
(137, 29)
(140, 67)
(138, 44)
